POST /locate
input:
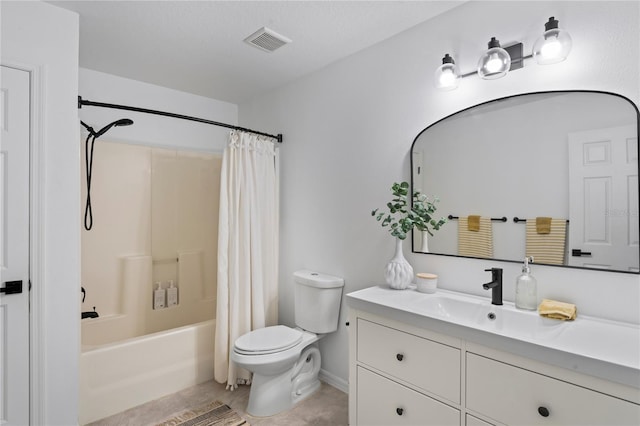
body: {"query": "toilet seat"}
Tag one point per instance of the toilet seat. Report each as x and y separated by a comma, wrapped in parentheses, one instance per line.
(268, 340)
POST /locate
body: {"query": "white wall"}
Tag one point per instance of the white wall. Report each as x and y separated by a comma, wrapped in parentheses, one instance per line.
(348, 130)
(44, 39)
(154, 130)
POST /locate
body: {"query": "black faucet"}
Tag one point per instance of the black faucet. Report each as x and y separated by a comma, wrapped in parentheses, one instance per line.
(495, 285)
(90, 314)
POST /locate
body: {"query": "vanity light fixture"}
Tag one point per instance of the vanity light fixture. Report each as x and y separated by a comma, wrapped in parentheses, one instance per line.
(495, 62)
(447, 75)
(552, 47)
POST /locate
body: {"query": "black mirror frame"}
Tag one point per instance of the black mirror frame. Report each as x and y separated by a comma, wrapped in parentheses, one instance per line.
(413, 248)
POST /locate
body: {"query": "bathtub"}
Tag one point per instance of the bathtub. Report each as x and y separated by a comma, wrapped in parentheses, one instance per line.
(117, 376)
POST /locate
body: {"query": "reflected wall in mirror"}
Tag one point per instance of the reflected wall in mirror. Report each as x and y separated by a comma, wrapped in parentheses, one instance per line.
(571, 156)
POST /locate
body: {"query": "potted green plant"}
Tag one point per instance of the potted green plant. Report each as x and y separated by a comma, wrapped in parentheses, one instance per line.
(401, 218)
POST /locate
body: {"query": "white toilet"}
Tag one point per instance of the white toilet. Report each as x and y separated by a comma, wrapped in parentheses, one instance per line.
(285, 361)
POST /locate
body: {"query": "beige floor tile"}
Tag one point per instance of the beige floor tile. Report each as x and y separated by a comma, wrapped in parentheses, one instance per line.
(328, 406)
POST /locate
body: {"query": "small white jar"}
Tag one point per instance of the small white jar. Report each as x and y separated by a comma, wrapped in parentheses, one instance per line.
(426, 283)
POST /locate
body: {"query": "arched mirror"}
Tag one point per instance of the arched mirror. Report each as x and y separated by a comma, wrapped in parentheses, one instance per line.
(550, 173)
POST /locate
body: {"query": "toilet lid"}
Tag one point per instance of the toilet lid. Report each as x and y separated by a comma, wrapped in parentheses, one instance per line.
(268, 340)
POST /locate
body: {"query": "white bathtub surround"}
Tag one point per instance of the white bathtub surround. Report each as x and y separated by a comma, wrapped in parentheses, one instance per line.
(118, 376)
(154, 221)
(130, 321)
(247, 246)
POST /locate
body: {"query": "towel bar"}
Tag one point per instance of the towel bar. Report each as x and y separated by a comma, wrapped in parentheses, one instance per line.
(495, 219)
(518, 220)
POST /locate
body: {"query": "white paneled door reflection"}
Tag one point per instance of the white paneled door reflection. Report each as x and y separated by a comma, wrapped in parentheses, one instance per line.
(603, 208)
(14, 246)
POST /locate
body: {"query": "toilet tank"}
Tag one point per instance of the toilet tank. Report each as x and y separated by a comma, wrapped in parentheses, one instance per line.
(317, 301)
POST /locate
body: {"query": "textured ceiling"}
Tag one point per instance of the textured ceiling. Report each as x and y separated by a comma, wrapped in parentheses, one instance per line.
(197, 46)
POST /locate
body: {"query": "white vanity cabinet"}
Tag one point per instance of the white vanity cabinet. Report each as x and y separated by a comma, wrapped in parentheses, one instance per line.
(514, 395)
(384, 402)
(403, 374)
(427, 364)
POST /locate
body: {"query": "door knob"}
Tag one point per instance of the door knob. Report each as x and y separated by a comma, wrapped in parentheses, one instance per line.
(579, 252)
(12, 287)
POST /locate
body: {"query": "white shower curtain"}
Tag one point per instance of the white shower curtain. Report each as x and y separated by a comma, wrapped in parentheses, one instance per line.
(247, 247)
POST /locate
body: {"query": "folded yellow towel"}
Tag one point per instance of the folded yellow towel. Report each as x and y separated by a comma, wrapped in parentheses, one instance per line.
(543, 225)
(557, 310)
(473, 223)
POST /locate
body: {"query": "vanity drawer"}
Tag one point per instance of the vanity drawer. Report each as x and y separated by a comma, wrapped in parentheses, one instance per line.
(512, 395)
(384, 402)
(429, 365)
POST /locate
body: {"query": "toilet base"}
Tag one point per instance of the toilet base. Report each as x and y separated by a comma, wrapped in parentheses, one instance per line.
(271, 395)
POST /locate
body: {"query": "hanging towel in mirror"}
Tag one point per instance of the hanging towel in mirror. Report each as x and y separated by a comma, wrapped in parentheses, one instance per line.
(473, 223)
(543, 225)
(475, 243)
(547, 248)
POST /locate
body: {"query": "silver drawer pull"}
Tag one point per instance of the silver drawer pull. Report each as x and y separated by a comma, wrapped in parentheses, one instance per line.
(399, 411)
(543, 411)
(399, 357)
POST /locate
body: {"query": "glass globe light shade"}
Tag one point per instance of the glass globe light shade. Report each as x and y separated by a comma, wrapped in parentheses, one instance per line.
(447, 76)
(495, 62)
(553, 46)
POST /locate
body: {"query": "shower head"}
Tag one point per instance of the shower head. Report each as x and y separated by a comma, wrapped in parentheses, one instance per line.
(121, 122)
(88, 159)
(105, 129)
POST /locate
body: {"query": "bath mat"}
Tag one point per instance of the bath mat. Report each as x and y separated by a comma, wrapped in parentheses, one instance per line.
(213, 414)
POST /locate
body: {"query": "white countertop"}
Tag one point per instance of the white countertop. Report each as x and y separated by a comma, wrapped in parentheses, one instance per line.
(594, 346)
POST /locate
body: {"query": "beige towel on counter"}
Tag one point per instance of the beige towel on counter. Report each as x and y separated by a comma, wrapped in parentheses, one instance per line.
(475, 243)
(557, 310)
(547, 248)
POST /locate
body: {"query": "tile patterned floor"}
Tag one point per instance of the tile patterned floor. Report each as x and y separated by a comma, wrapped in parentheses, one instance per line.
(328, 406)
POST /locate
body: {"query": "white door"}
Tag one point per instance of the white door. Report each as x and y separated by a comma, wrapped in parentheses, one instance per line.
(14, 246)
(603, 201)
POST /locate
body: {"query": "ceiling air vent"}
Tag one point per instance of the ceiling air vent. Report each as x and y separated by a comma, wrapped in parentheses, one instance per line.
(267, 40)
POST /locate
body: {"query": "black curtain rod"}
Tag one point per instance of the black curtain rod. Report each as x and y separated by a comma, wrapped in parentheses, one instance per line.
(83, 102)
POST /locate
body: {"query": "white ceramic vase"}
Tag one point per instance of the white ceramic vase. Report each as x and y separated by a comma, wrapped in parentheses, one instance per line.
(425, 242)
(398, 272)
